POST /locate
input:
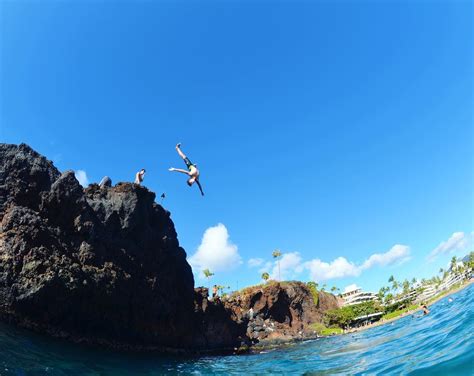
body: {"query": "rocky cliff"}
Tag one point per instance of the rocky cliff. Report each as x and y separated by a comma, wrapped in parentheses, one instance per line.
(104, 265)
(280, 310)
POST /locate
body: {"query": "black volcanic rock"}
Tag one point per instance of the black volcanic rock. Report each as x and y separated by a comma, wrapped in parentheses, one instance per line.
(100, 265)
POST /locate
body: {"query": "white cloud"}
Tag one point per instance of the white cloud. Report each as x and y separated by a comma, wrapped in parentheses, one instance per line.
(81, 177)
(266, 267)
(398, 254)
(290, 265)
(341, 267)
(458, 242)
(216, 252)
(351, 288)
(254, 262)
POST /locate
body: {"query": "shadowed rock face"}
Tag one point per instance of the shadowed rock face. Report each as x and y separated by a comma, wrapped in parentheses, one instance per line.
(100, 264)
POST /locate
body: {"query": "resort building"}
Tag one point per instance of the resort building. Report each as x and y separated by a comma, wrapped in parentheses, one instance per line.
(366, 320)
(451, 280)
(428, 292)
(411, 296)
(355, 295)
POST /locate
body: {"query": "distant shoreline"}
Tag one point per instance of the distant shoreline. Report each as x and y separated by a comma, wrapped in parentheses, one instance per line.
(379, 323)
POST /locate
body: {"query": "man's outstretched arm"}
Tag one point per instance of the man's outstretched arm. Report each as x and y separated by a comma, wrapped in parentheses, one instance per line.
(200, 188)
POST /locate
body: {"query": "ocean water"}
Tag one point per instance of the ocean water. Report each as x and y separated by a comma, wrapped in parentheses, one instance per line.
(440, 343)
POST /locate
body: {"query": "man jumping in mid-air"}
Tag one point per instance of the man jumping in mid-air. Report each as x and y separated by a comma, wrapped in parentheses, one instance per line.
(192, 171)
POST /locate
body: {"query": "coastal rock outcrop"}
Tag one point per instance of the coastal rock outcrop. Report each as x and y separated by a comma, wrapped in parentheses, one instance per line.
(280, 310)
(99, 265)
(103, 265)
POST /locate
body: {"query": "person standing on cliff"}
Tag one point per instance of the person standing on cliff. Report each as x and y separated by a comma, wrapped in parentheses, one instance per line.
(140, 175)
(192, 171)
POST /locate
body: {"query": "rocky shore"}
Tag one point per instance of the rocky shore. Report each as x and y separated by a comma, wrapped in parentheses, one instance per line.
(104, 266)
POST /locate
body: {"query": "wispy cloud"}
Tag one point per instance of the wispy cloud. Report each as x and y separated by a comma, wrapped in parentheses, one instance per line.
(289, 266)
(254, 262)
(457, 242)
(216, 252)
(351, 287)
(398, 254)
(292, 264)
(341, 267)
(266, 267)
(81, 177)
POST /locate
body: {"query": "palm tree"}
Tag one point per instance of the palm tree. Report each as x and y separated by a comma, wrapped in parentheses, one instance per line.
(265, 276)
(333, 289)
(381, 294)
(391, 279)
(470, 262)
(276, 254)
(406, 286)
(208, 274)
(323, 288)
(454, 261)
(441, 270)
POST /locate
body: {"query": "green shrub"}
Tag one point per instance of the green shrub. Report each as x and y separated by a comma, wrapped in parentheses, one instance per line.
(322, 330)
(330, 331)
(312, 287)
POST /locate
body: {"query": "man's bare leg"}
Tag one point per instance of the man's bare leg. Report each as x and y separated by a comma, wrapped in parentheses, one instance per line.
(178, 149)
(179, 170)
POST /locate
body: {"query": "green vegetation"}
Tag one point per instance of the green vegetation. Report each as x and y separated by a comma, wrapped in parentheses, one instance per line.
(313, 288)
(208, 274)
(265, 276)
(470, 262)
(321, 329)
(331, 331)
(342, 317)
(391, 314)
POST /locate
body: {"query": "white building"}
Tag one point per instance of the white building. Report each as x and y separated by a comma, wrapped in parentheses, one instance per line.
(451, 280)
(428, 292)
(410, 296)
(355, 295)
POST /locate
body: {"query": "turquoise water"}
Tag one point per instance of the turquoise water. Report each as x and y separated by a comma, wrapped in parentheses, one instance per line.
(438, 344)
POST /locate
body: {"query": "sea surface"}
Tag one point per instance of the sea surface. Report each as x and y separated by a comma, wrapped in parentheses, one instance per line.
(440, 343)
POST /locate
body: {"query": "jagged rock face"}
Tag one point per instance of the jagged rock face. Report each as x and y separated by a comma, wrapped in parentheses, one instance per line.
(102, 264)
(281, 309)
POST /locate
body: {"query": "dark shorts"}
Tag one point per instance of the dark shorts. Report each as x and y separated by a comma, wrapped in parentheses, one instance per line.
(188, 163)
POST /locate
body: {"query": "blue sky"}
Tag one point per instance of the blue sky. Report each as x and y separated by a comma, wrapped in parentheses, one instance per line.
(328, 130)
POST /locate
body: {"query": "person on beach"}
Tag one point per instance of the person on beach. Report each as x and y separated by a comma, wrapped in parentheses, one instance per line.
(192, 170)
(425, 309)
(140, 175)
